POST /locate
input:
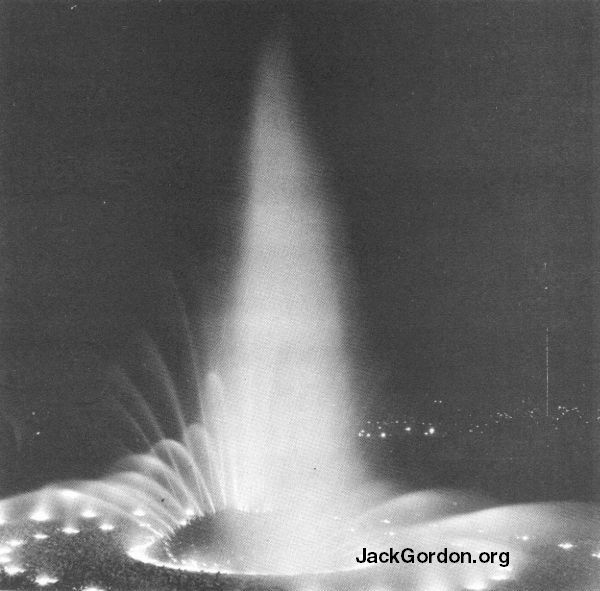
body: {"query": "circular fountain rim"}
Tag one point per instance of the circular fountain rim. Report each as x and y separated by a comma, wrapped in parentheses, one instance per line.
(138, 553)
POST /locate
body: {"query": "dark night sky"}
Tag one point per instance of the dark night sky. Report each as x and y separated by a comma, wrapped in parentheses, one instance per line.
(457, 139)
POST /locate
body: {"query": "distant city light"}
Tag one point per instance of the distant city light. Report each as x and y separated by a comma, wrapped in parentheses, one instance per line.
(40, 536)
(139, 512)
(382, 435)
(467, 421)
(13, 569)
(15, 543)
(566, 545)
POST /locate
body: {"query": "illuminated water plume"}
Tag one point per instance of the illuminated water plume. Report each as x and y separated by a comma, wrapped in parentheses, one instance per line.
(269, 459)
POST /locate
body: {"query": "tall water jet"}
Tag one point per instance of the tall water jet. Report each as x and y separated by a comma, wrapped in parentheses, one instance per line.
(285, 365)
(265, 479)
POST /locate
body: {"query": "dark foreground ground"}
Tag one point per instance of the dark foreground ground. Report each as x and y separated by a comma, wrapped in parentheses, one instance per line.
(93, 560)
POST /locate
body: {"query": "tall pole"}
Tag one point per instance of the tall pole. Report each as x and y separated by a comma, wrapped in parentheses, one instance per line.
(546, 315)
(595, 404)
(547, 371)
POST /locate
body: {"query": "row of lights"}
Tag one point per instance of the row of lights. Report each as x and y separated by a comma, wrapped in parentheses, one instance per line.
(383, 434)
(42, 580)
(42, 516)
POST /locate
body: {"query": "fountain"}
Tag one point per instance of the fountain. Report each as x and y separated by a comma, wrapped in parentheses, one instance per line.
(265, 479)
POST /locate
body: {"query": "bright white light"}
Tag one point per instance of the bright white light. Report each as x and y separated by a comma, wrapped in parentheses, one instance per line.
(524, 538)
(89, 514)
(189, 512)
(15, 543)
(5, 549)
(43, 580)
(566, 545)
(40, 515)
(40, 536)
(69, 494)
(596, 554)
(13, 569)
(408, 429)
(139, 512)
(107, 527)
(478, 586)
(431, 431)
(382, 435)
(4, 559)
(386, 521)
(70, 531)
(92, 589)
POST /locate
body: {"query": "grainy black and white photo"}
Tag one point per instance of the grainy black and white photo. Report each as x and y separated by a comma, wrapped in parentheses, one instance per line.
(299, 296)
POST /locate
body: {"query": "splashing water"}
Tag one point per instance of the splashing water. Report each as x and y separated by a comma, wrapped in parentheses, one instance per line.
(267, 479)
